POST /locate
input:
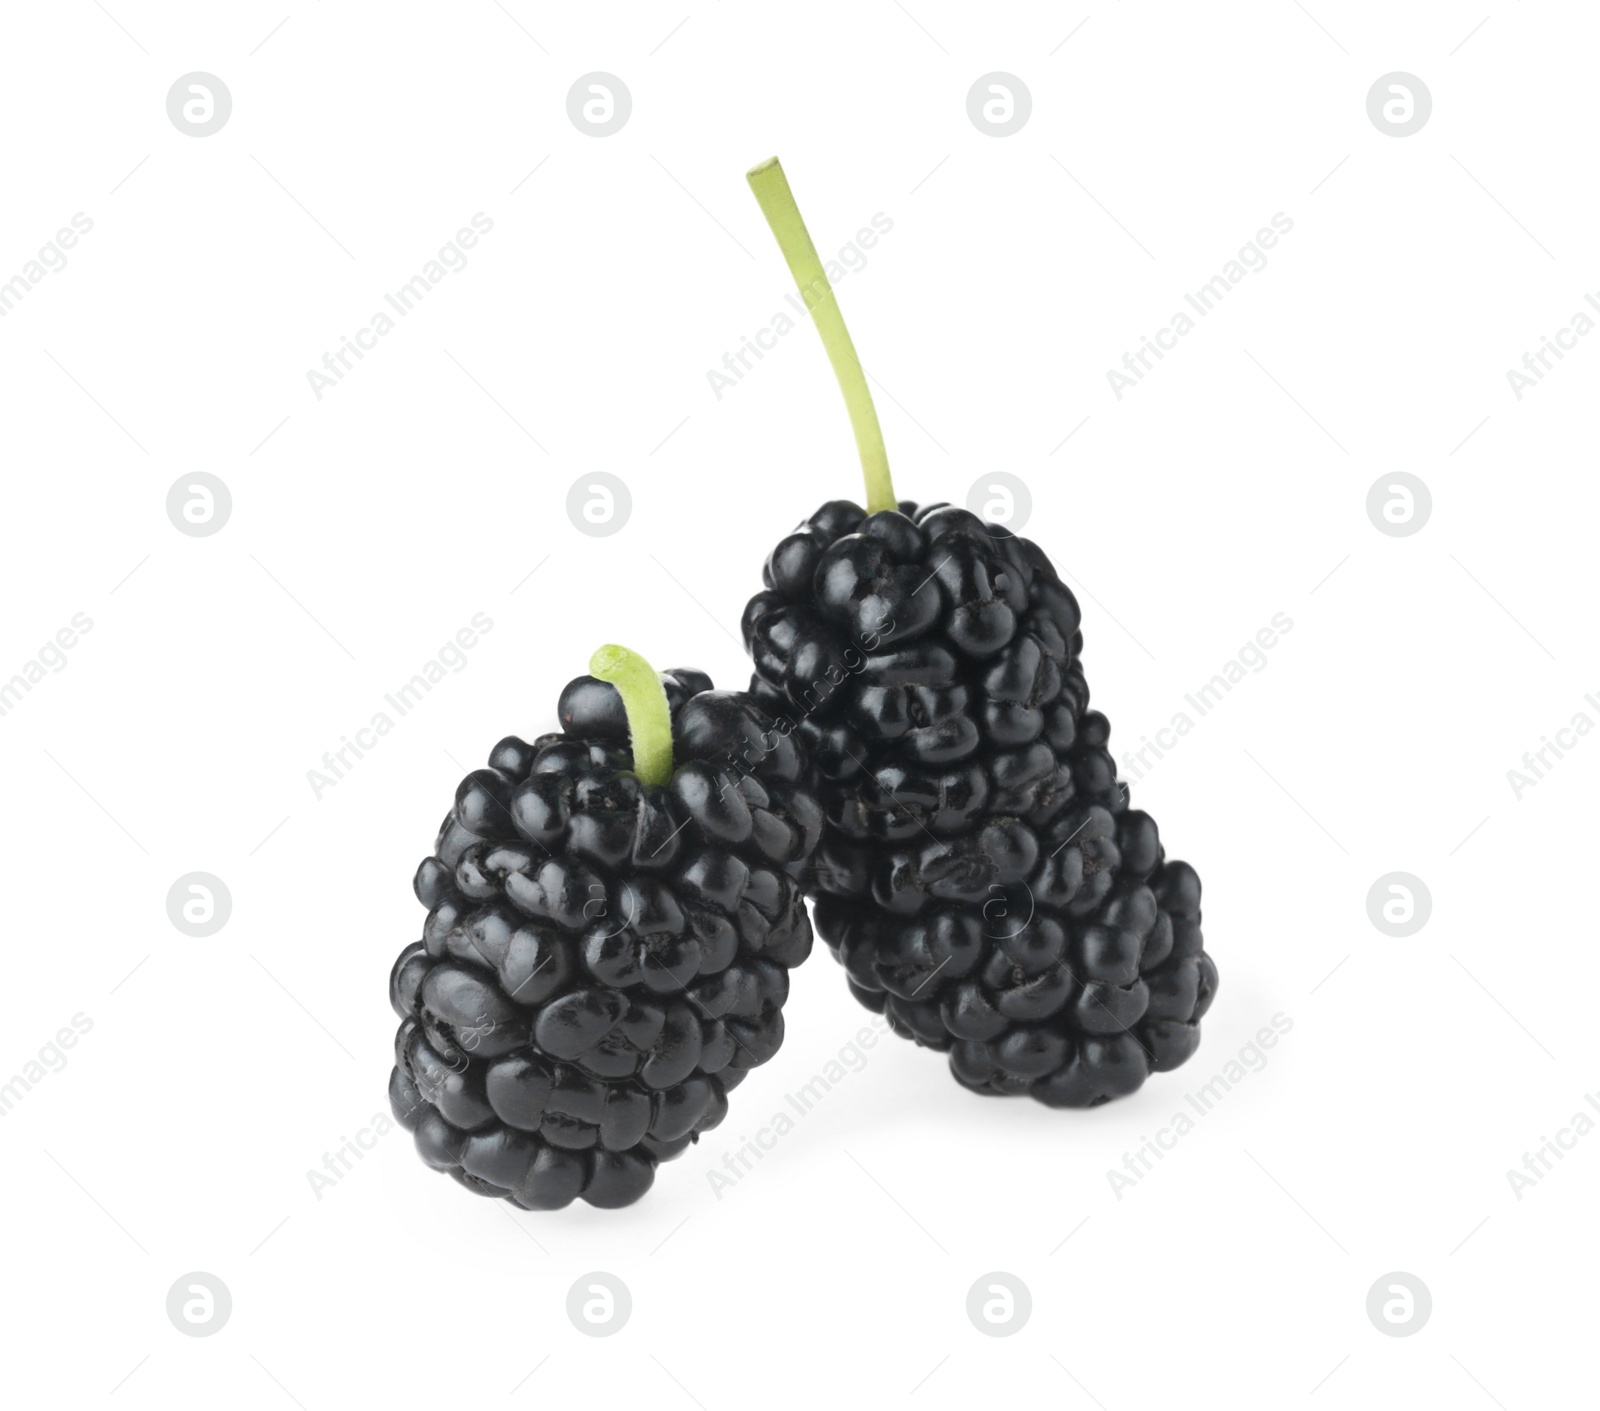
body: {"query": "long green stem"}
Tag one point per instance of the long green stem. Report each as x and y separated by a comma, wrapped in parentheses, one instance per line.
(777, 203)
(649, 717)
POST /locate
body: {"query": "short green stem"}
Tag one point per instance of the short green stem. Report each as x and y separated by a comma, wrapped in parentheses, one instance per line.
(644, 700)
(778, 205)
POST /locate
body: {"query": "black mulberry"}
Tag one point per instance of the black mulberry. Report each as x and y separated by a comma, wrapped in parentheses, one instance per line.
(980, 877)
(608, 940)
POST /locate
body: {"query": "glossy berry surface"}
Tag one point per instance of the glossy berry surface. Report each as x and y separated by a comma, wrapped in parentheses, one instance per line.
(981, 876)
(603, 960)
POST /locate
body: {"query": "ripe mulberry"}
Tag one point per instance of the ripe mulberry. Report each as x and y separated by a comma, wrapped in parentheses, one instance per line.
(981, 876)
(608, 940)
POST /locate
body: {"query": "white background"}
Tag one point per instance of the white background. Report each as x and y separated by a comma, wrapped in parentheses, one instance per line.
(369, 526)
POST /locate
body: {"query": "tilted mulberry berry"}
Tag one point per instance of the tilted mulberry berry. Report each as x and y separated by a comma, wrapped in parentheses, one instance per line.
(981, 876)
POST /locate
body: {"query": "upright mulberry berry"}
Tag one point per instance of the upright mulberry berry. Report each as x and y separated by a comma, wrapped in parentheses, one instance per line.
(608, 940)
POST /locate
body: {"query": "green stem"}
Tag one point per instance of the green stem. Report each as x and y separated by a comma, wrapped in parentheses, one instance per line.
(649, 717)
(777, 204)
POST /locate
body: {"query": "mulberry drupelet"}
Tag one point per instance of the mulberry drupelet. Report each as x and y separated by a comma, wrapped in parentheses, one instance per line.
(981, 876)
(608, 940)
